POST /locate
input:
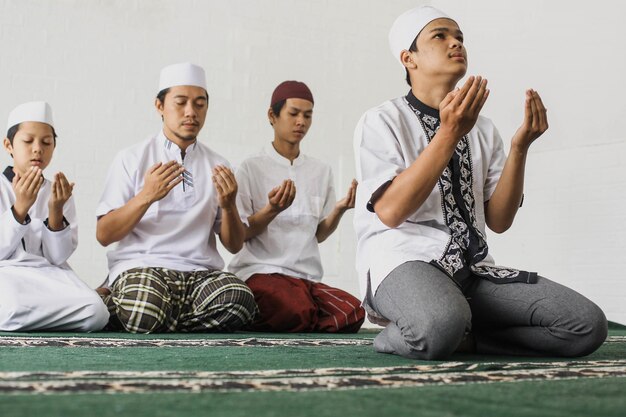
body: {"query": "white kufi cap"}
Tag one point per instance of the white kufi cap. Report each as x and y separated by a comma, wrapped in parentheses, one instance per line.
(408, 25)
(34, 111)
(182, 74)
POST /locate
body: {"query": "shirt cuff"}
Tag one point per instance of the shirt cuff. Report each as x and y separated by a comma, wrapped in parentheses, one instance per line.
(377, 194)
(26, 220)
(64, 222)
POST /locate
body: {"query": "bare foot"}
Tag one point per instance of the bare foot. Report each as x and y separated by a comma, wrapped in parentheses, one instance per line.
(103, 292)
(381, 321)
(467, 345)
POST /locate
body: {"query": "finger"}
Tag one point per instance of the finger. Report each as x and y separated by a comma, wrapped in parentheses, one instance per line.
(218, 169)
(528, 112)
(478, 102)
(154, 168)
(284, 200)
(292, 193)
(352, 195)
(542, 111)
(448, 98)
(534, 112)
(272, 194)
(38, 185)
(28, 178)
(55, 189)
(472, 93)
(35, 182)
(228, 178)
(351, 200)
(462, 92)
(173, 184)
(484, 99)
(172, 173)
(218, 186)
(168, 169)
(63, 185)
(277, 196)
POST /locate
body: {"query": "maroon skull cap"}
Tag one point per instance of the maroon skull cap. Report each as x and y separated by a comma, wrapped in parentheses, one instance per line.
(291, 89)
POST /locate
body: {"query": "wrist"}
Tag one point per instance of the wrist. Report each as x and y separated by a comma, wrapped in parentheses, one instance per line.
(228, 207)
(271, 210)
(519, 147)
(143, 199)
(19, 213)
(447, 135)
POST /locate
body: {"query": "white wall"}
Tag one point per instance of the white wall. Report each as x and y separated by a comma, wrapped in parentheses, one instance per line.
(97, 63)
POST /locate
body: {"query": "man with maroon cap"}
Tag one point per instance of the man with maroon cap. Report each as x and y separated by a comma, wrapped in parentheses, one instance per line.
(280, 260)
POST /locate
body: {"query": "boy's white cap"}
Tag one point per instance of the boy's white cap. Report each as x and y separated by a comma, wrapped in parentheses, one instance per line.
(408, 25)
(33, 111)
(184, 73)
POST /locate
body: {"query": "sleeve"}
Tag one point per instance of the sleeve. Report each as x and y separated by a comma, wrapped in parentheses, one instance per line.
(119, 187)
(11, 232)
(378, 156)
(331, 199)
(58, 246)
(497, 158)
(244, 194)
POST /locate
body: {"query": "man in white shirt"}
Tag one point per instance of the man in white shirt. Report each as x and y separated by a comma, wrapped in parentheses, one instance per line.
(432, 174)
(164, 200)
(38, 233)
(280, 260)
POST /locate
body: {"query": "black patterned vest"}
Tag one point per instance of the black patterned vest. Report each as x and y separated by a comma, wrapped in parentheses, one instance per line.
(467, 245)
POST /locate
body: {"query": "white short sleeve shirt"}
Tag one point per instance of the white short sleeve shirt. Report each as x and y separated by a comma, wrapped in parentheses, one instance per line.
(387, 140)
(176, 232)
(288, 245)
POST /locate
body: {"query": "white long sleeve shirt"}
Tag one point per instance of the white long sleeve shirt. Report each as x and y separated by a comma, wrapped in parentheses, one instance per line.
(32, 244)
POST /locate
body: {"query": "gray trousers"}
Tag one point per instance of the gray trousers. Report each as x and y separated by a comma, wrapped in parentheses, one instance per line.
(429, 315)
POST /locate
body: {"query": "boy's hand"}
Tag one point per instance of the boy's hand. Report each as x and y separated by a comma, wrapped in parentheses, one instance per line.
(347, 202)
(61, 192)
(226, 186)
(160, 179)
(282, 196)
(26, 189)
(460, 108)
(535, 122)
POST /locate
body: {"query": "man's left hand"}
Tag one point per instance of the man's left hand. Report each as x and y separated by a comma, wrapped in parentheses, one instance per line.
(535, 122)
(226, 186)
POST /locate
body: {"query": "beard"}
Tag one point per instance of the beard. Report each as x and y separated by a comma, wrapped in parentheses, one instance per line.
(186, 138)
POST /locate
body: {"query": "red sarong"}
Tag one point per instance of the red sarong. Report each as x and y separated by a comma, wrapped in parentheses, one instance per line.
(290, 304)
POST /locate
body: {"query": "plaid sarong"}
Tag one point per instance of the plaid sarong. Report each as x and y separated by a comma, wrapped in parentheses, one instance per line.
(150, 300)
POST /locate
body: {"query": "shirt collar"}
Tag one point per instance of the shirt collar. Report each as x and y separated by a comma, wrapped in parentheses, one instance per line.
(9, 174)
(273, 153)
(172, 147)
(417, 104)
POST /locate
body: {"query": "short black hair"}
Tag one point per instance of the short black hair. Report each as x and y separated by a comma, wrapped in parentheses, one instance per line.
(277, 107)
(13, 131)
(163, 93)
(412, 48)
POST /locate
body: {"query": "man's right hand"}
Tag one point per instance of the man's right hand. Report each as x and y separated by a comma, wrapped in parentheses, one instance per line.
(160, 179)
(281, 197)
(460, 108)
(26, 189)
